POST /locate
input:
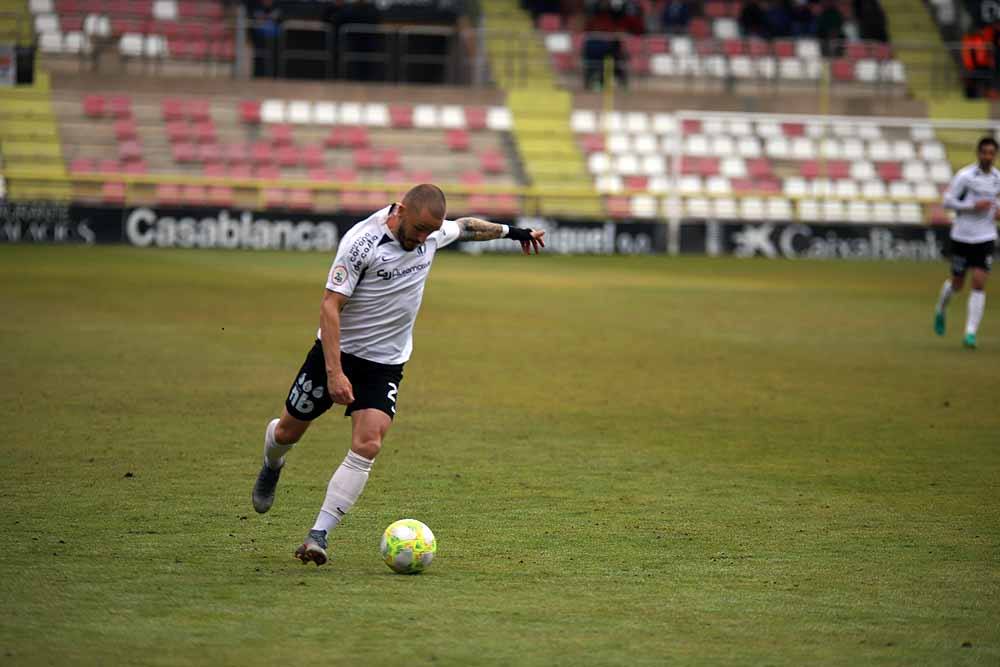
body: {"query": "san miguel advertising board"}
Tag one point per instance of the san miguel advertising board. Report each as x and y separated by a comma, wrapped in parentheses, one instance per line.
(162, 227)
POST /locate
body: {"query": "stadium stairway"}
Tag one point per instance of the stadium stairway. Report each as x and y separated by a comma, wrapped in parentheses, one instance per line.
(551, 157)
(549, 154)
(915, 25)
(29, 143)
(15, 22)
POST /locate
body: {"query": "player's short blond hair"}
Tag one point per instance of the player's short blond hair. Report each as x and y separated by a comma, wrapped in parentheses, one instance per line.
(426, 197)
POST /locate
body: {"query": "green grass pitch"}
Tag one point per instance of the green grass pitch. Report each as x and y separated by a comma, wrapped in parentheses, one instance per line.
(625, 461)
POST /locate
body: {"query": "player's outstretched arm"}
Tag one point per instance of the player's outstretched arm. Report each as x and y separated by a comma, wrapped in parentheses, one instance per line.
(475, 229)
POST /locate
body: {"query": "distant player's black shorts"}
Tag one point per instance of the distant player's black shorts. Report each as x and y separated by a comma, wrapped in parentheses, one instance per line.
(966, 256)
(375, 385)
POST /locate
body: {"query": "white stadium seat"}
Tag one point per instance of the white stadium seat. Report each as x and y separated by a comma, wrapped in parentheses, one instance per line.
(845, 188)
(879, 150)
(499, 119)
(613, 121)
(749, 147)
(831, 149)
(853, 149)
(609, 184)
(599, 163)
(660, 184)
(681, 46)
(869, 131)
(740, 128)
(926, 192)
(778, 148)
(643, 206)
(808, 210)
(653, 165)
(663, 64)
(558, 42)
(300, 112)
(795, 187)
(866, 70)
(272, 111)
(426, 116)
(752, 208)
(76, 42)
(583, 121)
(940, 172)
(697, 144)
(821, 187)
(722, 145)
(325, 113)
(884, 212)
(130, 45)
(832, 210)
(697, 207)
(725, 28)
(375, 114)
(645, 143)
(165, 10)
(636, 122)
(767, 67)
(733, 167)
(351, 113)
(690, 185)
(910, 213)
(873, 189)
(725, 208)
(922, 133)
(155, 46)
(902, 149)
(807, 48)
(717, 66)
(859, 210)
(452, 117)
(664, 123)
(932, 151)
(900, 190)
(914, 171)
(742, 67)
(862, 170)
(778, 208)
(802, 149)
(718, 185)
(618, 143)
(768, 128)
(46, 23)
(41, 6)
(627, 165)
(50, 42)
(713, 126)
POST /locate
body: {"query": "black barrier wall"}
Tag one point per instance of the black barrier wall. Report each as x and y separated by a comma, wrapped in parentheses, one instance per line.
(163, 227)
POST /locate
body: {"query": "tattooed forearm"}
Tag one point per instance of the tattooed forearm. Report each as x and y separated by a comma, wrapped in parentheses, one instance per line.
(474, 229)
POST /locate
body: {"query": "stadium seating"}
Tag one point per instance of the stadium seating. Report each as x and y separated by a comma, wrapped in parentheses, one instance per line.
(191, 31)
(228, 143)
(710, 160)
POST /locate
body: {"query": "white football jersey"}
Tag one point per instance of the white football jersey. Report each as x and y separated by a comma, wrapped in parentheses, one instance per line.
(384, 285)
(969, 186)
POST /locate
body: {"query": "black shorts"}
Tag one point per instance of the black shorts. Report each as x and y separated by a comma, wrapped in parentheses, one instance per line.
(966, 256)
(375, 385)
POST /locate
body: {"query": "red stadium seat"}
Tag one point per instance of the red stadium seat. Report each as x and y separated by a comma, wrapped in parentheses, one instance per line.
(172, 109)
(838, 169)
(184, 153)
(113, 192)
(168, 194)
(471, 178)
(194, 195)
(889, 171)
(457, 140)
(180, 132)
(312, 157)
(784, 48)
(275, 198)
(691, 126)
(93, 106)
(475, 118)
(300, 200)
(492, 162)
(734, 47)
(636, 182)
(125, 129)
(759, 48)
(550, 22)
(842, 69)
(592, 143)
(204, 132)
(220, 195)
(280, 134)
(250, 112)
(266, 172)
(129, 151)
(856, 50)
(618, 207)
(793, 129)
(401, 116)
(82, 165)
(119, 106)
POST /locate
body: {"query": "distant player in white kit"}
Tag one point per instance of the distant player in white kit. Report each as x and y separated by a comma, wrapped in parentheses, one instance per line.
(973, 196)
(373, 293)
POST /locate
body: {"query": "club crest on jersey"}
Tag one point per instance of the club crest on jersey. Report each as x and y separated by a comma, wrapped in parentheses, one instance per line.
(339, 275)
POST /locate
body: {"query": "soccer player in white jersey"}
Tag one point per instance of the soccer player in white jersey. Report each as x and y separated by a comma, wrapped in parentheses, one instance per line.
(973, 196)
(373, 293)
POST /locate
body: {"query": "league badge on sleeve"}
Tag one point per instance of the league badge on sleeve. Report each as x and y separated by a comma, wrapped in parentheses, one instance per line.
(339, 275)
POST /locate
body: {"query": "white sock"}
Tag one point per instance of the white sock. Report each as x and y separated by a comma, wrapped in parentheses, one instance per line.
(945, 296)
(343, 491)
(977, 303)
(274, 453)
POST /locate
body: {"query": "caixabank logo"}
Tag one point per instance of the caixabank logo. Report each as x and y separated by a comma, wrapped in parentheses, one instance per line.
(801, 241)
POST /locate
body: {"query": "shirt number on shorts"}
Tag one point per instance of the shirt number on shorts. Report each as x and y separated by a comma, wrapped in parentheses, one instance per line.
(393, 390)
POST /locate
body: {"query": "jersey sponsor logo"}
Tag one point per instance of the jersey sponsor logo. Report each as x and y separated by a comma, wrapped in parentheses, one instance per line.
(400, 273)
(360, 249)
(339, 275)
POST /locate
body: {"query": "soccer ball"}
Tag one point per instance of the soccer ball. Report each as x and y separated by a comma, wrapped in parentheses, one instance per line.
(408, 546)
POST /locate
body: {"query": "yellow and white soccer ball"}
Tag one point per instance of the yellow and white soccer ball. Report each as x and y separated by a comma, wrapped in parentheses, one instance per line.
(408, 546)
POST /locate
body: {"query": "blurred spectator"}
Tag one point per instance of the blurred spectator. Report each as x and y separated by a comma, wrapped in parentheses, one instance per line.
(753, 20)
(538, 7)
(871, 20)
(803, 19)
(779, 18)
(675, 17)
(830, 29)
(606, 21)
(265, 26)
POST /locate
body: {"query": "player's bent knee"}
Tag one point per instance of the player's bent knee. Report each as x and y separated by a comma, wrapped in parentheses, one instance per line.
(368, 448)
(289, 432)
